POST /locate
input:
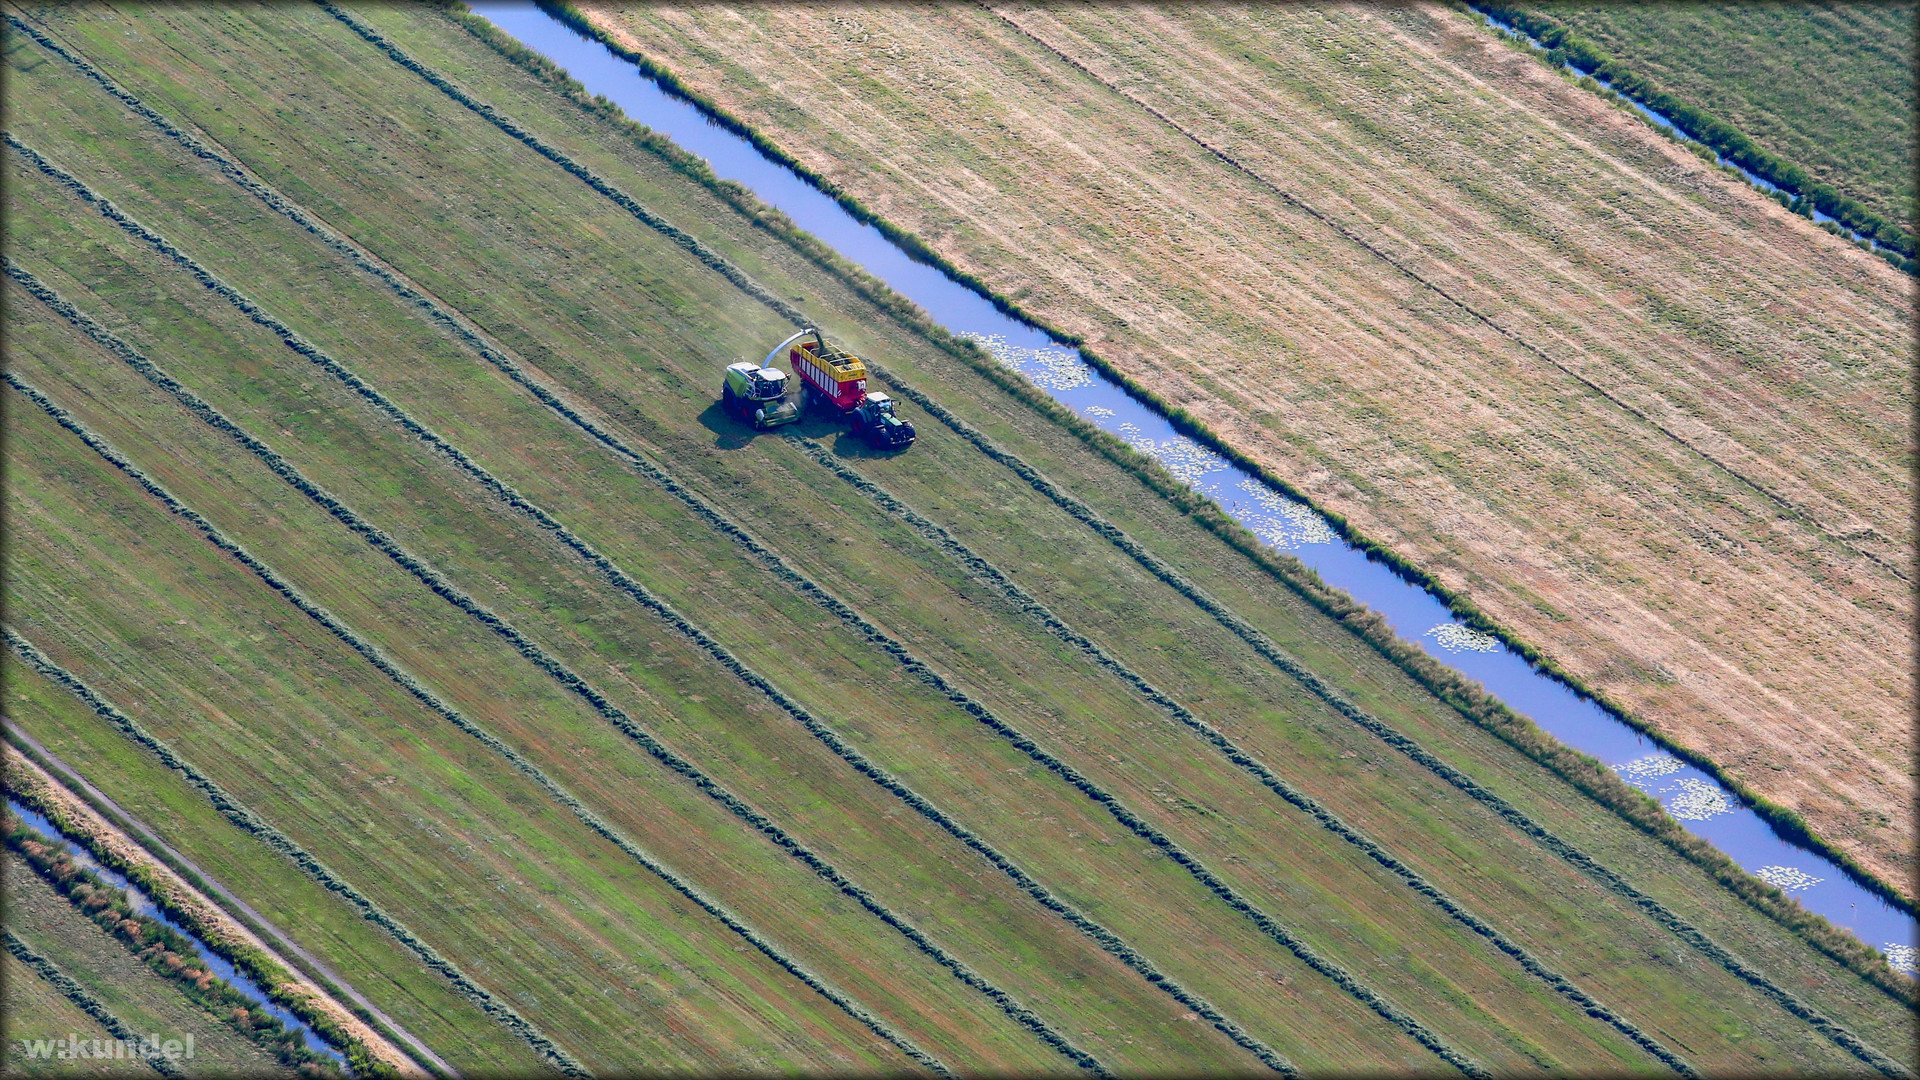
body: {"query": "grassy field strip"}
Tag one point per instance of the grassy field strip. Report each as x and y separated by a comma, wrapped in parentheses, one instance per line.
(1139, 826)
(32, 1004)
(82, 998)
(1837, 536)
(329, 924)
(527, 768)
(111, 817)
(240, 815)
(430, 577)
(779, 997)
(713, 259)
(1024, 601)
(1254, 637)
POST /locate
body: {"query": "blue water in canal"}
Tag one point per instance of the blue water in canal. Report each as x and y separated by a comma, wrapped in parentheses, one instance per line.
(142, 904)
(1696, 799)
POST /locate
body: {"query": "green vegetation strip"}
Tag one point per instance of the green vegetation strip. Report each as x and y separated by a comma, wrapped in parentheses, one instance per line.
(413, 686)
(256, 964)
(1473, 702)
(984, 570)
(1566, 44)
(168, 952)
(85, 1001)
(279, 842)
(1386, 733)
(440, 586)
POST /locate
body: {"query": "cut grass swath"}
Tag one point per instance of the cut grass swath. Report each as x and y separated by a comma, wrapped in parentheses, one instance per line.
(85, 1001)
(984, 570)
(388, 667)
(251, 823)
(436, 582)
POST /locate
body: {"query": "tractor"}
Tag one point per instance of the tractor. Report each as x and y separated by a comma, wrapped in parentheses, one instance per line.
(835, 381)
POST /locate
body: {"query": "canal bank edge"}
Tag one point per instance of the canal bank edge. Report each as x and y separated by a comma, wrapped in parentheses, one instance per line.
(1466, 697)
(1698, 124)
(32, 791)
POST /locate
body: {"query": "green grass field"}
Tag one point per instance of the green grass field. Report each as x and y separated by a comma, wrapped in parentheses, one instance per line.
(1828, 86)
(947, 906)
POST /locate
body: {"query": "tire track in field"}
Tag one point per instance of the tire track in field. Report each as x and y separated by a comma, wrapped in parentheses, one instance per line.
(438, 584)
(978, 567)
(84, 1000)
(1285, 662)
(1659, 912)
(1271, 927)
(390, 668)
(461, 327)
(252, 824)
(1793, 509)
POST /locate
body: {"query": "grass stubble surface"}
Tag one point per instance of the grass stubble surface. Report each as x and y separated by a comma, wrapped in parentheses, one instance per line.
(578, 620)
(1771, 639)
(35, 1008)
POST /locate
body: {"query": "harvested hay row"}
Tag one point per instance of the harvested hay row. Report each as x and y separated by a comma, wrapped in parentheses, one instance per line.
(427, 697)
(427, 575)
(279, 842)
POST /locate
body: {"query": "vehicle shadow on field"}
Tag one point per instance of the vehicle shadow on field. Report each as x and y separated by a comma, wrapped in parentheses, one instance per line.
(729, 433)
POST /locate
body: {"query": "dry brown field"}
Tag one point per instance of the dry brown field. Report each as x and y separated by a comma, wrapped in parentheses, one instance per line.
(1647, 420)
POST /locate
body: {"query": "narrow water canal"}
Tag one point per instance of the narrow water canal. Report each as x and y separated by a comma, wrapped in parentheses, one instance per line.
(1692, 796)
(143, 905)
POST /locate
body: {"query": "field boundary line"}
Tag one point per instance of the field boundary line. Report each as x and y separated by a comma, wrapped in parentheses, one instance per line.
(424, 572)
(280, 843)
(109, 817)
(1355, 238)
(84, 1000)
(979, 567)
(390, 668)
(1286, 663)
(1476, 706)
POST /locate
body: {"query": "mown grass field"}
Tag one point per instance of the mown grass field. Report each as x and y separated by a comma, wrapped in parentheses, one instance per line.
(1827, 86)
(34, 1005)
(1039, 826)
(1644, 419)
